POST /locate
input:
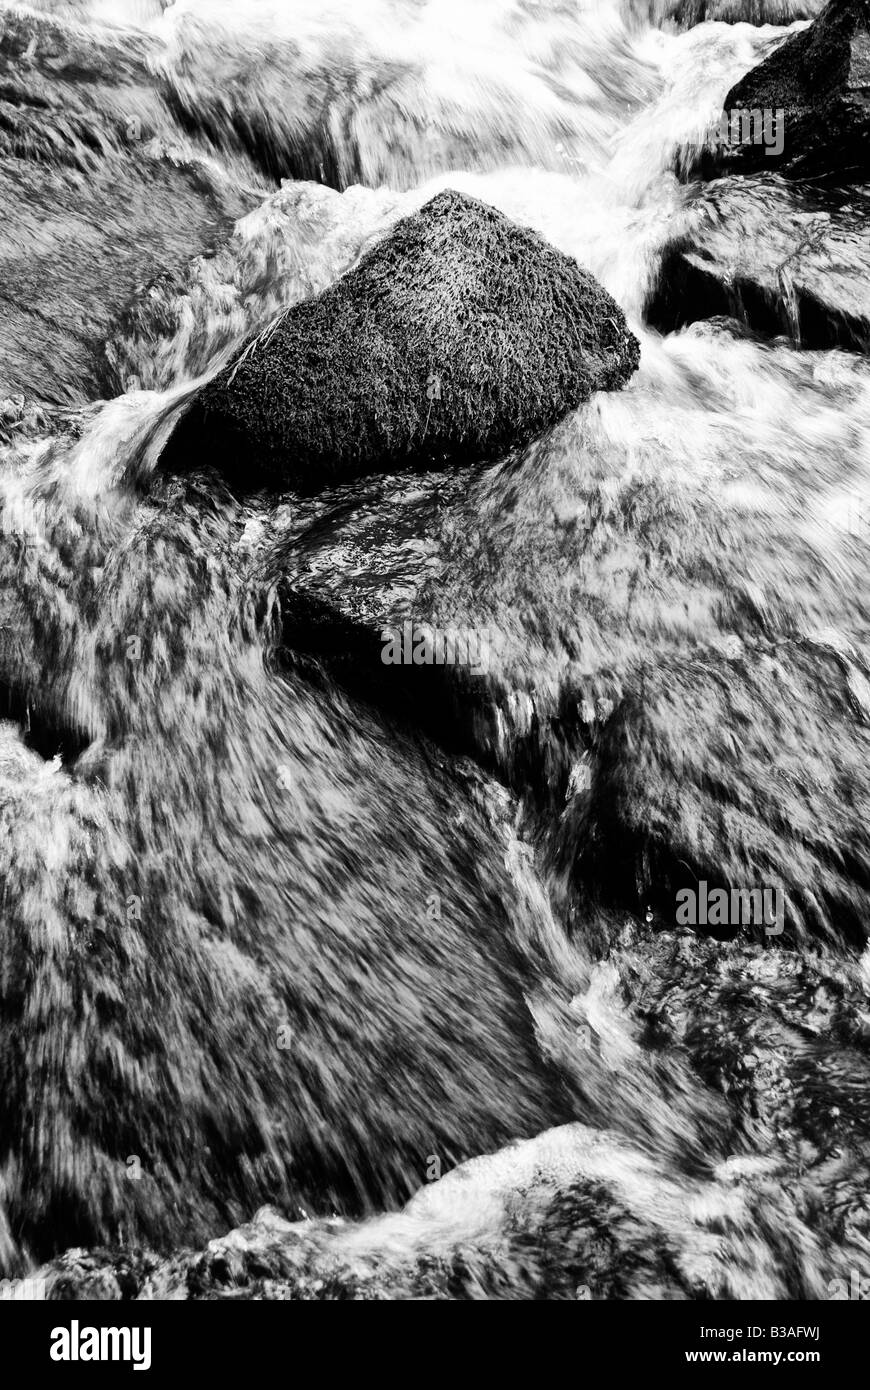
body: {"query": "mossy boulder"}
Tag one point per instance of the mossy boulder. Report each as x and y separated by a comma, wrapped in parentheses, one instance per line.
(458, 336)
(820, 79)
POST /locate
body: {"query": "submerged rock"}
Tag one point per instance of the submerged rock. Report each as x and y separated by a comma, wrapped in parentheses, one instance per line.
(456, 337)
(572, 1214)
(621, 645)
(582, 1213)
(390, 98)
(283, 1016)
(98, 193)
(820, 79)
(779, 259)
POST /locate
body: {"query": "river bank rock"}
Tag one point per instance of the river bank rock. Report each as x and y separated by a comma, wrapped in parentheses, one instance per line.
(820, 79)
(455, 338)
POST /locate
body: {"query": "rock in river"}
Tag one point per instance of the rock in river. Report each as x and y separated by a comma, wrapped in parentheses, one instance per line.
(820, 80)
(456, 337)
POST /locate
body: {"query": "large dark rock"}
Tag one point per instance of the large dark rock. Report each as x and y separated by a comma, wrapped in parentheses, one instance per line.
(456, 337)
(820, 79)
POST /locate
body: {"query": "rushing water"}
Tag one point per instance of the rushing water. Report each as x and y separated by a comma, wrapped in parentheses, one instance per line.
(208, 841)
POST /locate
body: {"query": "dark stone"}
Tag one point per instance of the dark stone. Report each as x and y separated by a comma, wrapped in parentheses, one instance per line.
(820, 79)
(455, 338)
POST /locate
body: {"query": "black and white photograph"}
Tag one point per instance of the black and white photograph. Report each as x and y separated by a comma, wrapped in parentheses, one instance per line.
(434, 669)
